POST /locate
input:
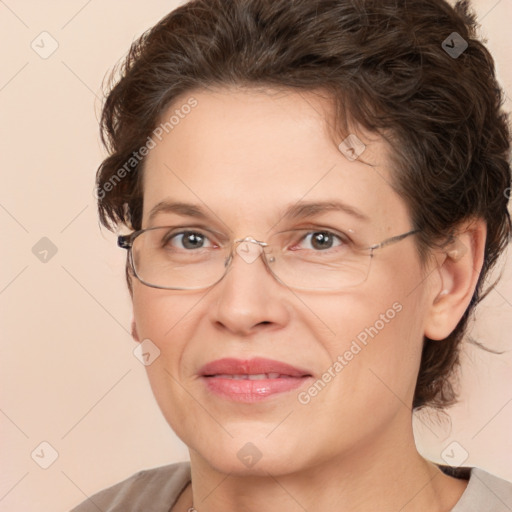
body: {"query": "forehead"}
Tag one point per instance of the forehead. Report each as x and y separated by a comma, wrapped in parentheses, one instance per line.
(247, 153)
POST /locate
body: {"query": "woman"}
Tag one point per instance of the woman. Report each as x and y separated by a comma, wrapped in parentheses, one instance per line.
(315, 191)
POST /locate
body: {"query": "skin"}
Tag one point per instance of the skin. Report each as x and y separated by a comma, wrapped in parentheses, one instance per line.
(246, 154)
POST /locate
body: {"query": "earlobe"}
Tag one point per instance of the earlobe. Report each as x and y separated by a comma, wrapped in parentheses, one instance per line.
(458, 272)
(135, 334)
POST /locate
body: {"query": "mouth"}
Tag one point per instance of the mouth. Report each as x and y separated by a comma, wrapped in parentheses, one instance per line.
(245, 376)
(251, 380)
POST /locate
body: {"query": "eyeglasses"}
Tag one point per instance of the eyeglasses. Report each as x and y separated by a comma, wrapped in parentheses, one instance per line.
(176, 258)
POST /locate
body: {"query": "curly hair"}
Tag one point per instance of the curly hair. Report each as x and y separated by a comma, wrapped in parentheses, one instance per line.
(387, 67)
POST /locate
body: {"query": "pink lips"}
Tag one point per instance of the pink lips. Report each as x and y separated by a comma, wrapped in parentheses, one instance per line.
(251, 380)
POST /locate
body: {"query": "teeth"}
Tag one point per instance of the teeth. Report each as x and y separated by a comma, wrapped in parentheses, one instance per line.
(258, 376)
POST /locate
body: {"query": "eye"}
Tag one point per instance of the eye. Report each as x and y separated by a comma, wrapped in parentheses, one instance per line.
(186, 240)
(323, 240)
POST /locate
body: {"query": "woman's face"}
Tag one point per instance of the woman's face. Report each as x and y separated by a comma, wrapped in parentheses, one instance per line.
(244, 157)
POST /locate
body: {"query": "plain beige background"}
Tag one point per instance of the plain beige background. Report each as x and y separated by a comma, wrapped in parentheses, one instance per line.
(69, 378)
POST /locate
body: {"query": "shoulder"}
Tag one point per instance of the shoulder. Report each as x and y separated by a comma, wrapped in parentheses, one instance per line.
(152, 490)
(485, 491)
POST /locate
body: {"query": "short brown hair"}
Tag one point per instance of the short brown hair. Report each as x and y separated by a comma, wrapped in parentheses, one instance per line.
(384, 64)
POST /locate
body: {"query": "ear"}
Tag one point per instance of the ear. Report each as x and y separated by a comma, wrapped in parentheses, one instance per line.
(458, 272)
(135, 334)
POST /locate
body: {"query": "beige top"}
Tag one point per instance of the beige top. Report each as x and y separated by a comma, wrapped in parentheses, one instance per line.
(156, 490)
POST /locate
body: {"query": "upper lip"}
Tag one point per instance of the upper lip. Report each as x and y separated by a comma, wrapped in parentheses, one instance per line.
(255, 366)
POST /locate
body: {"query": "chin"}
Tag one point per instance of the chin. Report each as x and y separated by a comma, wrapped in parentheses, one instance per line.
(245, 455)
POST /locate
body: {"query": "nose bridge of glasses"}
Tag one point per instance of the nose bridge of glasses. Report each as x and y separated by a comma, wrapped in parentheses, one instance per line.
(248, 248)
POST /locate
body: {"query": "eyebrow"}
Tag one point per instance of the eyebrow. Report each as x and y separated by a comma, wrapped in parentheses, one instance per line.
(296, 211)
(309, 209)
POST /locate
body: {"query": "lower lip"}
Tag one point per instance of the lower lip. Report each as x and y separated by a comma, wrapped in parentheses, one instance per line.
(248, 391)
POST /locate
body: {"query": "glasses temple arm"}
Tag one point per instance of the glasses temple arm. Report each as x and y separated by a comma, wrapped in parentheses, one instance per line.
(394, 239)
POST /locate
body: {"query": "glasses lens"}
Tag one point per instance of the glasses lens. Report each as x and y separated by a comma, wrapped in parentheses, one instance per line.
(331, 269)
(169, 258)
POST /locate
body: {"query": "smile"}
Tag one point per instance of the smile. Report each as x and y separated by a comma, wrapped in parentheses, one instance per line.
(258, 376)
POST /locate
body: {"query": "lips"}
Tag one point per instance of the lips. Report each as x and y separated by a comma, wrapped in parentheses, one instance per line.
(251, 380)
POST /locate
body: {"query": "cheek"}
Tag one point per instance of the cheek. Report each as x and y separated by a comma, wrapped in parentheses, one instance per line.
(375, 374)
(159, 314)
(167, 320)
(376, 336)
(170, 321)
(362, 317)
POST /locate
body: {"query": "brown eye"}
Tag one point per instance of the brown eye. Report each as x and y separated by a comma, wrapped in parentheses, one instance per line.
(323, 240)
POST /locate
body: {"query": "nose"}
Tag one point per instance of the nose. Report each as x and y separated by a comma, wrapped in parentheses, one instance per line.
(248, 298)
